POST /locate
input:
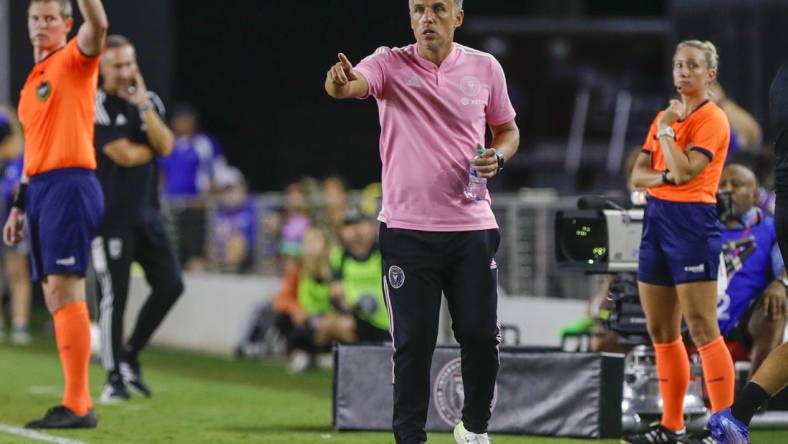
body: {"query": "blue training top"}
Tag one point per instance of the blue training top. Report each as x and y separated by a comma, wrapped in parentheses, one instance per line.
(752, 261)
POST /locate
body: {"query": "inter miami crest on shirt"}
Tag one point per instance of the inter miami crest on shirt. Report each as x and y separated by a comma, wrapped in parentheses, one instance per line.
(43, 91)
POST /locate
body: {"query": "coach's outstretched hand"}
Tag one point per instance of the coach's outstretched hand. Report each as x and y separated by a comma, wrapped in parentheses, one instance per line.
(13, 231)
(343, 82)
(342, 72)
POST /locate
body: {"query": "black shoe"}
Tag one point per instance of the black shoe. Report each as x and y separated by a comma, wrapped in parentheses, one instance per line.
(114, 390)
(656, 434)
(703, 437)
(61, 417)
(130, 370)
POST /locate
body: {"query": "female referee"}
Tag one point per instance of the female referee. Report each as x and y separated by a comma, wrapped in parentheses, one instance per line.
(680, 167)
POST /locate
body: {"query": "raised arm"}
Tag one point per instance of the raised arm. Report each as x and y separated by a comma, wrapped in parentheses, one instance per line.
(159, 134)
(343, 82)
(90, 37)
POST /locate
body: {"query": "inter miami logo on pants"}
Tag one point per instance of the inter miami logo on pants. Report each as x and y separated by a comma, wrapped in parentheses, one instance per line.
(396, 276)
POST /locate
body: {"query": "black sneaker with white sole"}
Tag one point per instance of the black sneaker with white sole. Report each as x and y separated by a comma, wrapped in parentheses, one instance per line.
(61, 417)
(703, 437)
(114, 390)
(655, 434)
(132, 375)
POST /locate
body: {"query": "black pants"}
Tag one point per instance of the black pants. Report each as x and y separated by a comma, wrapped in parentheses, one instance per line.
(114, 250)
(417, 267)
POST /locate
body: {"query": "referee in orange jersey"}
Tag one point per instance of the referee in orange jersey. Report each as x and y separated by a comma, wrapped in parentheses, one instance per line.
(59, 197)
(679, 257)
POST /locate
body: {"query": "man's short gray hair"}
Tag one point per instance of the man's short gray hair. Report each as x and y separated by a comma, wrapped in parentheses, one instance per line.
(65, 6)
(458, 4)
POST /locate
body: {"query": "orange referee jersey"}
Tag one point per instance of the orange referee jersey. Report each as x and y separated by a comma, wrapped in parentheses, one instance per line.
(57, 111)
(707, 131)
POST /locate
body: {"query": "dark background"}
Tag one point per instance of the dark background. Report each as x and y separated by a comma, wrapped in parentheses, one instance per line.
(255, 70)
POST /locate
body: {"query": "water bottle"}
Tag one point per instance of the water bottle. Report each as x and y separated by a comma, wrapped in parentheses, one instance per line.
(477, 185)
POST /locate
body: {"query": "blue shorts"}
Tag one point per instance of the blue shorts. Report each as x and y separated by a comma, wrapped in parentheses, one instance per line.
(64, 208)
(680, 244)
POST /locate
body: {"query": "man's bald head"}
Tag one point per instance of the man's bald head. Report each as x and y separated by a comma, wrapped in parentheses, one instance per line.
(741, 182)
(741, 173)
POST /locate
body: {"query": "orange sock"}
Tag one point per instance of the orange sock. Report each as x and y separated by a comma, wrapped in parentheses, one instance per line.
(72, 333)
(718, 373)
(673, 372)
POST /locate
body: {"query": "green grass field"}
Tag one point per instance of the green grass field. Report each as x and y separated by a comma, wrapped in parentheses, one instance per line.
(202, 399)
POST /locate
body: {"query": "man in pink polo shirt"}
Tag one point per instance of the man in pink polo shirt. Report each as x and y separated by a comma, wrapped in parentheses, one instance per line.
(436, 99)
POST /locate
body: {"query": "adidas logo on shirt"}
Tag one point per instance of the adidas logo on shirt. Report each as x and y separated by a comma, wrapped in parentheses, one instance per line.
(120, 120)
(414, 81)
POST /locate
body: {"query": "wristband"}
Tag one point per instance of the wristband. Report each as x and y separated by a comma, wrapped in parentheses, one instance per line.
(20, 197)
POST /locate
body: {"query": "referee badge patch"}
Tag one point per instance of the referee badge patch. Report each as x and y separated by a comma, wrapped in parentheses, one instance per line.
(43, 91)
(396, 276)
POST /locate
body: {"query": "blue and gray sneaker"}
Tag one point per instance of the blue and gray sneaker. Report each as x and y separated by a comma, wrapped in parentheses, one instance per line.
(728, 430)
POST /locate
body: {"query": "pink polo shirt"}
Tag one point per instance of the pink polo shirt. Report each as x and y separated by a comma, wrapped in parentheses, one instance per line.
(431, 119)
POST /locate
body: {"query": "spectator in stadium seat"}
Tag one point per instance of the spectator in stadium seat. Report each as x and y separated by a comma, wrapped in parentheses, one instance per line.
(306, 316)
(334, 201)
(752, 310)
(234, 227)
(189, 175)
(357, 284)
(14, 258)
(131, 134)
(436, 100)
(190, 171)
(59, 200)
(295, 221)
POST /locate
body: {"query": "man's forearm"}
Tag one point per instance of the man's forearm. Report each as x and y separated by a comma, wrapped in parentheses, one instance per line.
(127, 154)
(159, 135)
(506, 142)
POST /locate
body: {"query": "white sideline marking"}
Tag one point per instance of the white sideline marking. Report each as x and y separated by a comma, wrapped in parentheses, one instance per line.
(45, 390)
(36, 436)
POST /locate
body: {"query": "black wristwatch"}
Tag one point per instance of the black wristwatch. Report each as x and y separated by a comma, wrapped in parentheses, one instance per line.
(665, 177)
(501, 160)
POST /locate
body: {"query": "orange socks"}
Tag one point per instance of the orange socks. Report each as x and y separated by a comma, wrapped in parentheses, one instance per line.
(72, 333)
(673, 372)
(718, 373)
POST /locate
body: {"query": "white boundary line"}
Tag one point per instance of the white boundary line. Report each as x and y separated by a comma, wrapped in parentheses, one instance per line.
(36, 436)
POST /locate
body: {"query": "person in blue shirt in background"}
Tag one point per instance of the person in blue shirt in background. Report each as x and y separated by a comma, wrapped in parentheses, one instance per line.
(752, 310)
(14, 258)
(189, 175)
(235, 226)
(196, 157)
